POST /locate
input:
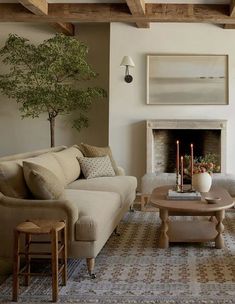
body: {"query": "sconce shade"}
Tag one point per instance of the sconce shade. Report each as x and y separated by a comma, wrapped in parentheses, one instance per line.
(127, 61)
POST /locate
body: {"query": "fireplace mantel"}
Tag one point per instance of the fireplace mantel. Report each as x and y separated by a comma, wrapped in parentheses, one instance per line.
(188, 124)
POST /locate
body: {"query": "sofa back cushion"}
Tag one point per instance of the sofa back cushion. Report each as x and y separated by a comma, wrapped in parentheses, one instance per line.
(49, 162)
(12, 182)
(26, 155)
(69, 163)
(42, 183)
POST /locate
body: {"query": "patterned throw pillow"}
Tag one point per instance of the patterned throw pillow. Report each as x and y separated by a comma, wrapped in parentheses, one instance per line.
(96, 166)
(93, 151)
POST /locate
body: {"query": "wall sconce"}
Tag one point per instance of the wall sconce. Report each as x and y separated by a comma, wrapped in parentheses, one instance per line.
(127, 62)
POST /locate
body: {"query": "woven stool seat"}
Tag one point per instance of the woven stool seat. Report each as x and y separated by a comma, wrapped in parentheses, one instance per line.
(31, 229)
(40, 226)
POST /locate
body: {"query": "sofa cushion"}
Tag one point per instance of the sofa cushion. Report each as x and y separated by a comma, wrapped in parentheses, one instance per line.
(68, 161)
(95, 209)
(93, 151)
(125, 186)
(96, 166)
(12, 182)
(42, 182)
(49, 161)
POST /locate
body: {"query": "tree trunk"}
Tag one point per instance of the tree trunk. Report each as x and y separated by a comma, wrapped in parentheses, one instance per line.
(52, 129)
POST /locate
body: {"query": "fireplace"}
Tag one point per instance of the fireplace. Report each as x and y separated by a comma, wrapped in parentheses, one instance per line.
(208, 136)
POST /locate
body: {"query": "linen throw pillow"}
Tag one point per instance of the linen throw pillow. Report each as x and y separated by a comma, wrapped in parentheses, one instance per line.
(42, 182)
(12, 181)
(93, 151)
(96, 166)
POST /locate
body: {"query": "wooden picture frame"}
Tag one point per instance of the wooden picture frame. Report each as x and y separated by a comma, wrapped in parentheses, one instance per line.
(187, 79)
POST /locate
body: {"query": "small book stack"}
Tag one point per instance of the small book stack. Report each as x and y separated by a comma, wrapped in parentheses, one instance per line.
(180, 196)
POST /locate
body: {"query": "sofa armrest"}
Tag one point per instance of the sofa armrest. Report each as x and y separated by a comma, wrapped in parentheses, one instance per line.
(121, 171)
(14, 210)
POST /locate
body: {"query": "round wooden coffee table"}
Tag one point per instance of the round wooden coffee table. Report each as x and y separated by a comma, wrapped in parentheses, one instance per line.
(192, 230)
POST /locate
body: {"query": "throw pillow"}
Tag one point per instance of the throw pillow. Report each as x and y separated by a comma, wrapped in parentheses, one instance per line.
(12, 181)
(93, 151)
(48, 161)
(42, 182)
(96, 166)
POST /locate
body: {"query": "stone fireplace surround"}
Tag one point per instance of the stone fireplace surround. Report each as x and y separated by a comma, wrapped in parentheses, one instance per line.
(215, 129)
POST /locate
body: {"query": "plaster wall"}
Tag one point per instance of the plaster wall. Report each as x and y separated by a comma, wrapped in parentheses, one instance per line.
(128, 110)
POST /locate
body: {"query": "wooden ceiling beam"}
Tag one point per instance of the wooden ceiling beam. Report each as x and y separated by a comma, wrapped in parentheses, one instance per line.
(37, 7)
(232, 14)
(229, 26)
(40, 8)
(232, 8)
(218, 14)
(65, 28)
(137, 7)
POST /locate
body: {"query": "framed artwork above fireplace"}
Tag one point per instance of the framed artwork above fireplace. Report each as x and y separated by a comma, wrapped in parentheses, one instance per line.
(187, 79)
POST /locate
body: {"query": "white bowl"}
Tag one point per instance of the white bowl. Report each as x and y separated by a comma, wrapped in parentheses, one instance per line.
(212, 200)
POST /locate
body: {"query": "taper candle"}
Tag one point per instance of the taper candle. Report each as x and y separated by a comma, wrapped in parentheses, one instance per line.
(191, 160)
(182, 172)
(177, 157)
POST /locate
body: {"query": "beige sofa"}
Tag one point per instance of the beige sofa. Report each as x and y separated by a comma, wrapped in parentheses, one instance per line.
(92, 208)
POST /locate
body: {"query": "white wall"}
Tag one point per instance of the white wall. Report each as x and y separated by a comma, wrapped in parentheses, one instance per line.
(17, 135)
(128, 110)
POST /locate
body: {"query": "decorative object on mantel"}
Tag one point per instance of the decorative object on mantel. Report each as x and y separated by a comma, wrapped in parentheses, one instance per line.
(127, 62)
(187, 79)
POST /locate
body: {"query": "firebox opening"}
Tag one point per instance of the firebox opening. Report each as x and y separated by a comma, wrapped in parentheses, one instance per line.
(164, 145)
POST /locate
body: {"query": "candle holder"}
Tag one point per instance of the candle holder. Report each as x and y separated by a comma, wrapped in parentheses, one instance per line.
(191, 186)
(181, 188)
(177, 185)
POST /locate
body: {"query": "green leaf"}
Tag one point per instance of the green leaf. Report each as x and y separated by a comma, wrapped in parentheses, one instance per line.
(51, 77)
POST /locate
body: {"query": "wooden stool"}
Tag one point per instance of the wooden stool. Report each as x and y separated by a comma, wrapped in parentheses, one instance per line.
(40, 227)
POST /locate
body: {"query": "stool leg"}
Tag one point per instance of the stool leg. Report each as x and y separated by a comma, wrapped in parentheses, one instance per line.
(64, 242)
(54, 263)
(16, 267)
(27, 259)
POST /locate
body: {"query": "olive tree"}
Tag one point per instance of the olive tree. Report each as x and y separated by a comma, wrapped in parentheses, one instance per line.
(51, 78)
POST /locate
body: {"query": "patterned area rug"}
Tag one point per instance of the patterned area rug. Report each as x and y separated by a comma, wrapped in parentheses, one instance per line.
(131, 269)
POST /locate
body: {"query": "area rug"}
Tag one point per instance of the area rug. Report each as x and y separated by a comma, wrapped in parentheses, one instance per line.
(131, 269)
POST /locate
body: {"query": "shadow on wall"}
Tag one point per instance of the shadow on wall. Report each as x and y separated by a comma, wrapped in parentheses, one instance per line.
(137, 151)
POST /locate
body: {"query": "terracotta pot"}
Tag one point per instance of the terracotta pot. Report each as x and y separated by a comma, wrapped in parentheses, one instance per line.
(202, 182)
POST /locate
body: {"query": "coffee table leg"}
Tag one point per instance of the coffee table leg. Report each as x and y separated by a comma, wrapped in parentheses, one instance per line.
(164, 239)
(219, 241)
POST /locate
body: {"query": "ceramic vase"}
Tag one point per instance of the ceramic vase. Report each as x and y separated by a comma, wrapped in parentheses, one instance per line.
(202, 182)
